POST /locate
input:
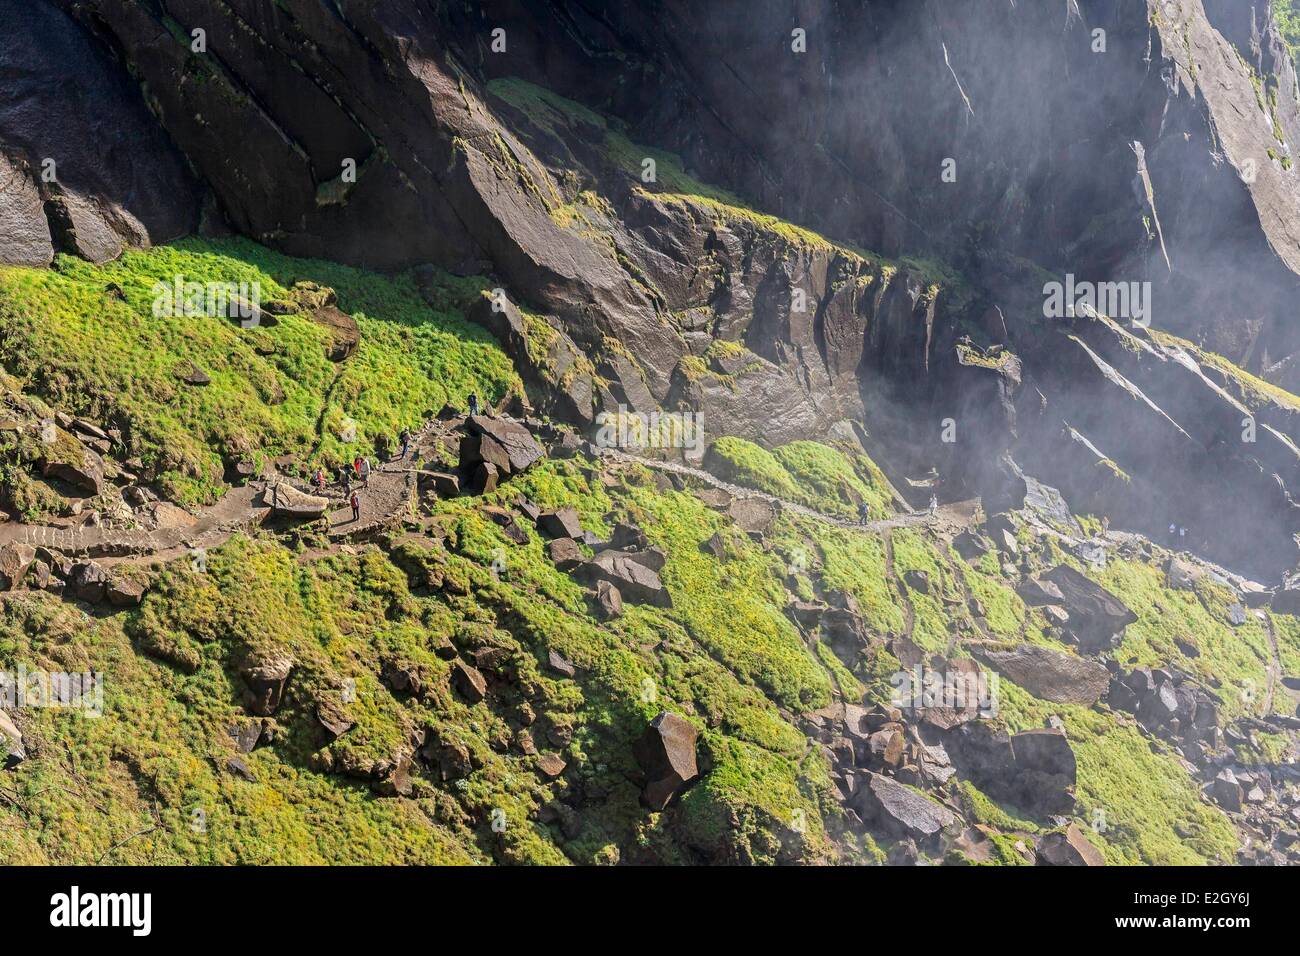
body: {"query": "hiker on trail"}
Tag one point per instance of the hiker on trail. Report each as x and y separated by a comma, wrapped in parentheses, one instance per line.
(319, 480)
(365, 472)
(473, 403)
(405, 437)
(355, 502)
(864, 512)
(934, 504)
(1105, 524)
(345, 479)
(356, 466)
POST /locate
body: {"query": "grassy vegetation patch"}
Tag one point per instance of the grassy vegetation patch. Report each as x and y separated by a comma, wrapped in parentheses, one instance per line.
(1137, 802)
(807, 473)
(734, 608)
(85, 338)
(1232, 659)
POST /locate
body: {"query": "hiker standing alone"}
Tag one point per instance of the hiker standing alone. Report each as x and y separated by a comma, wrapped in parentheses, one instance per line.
(473, 403)
(355, 501)
(406, 441)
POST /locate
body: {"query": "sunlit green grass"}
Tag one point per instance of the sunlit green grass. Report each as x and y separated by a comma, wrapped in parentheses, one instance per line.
(88, 351)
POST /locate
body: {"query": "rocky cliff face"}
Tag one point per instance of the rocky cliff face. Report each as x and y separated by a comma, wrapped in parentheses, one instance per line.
(1016, 144)
(86, 168)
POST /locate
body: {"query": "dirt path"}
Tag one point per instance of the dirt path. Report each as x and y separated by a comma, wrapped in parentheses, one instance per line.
(389, 496)
(390, 491)
(392, 487)
(953, 515)
(237, 510)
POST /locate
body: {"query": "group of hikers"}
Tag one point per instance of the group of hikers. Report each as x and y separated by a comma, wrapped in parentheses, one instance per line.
(358, 471)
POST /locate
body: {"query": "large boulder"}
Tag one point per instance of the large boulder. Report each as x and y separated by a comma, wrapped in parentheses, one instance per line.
(15, 559)
(469, 682)
(65, 458)
(1097, 617)
(899, 810)
(561, 523)
(982, 753)
(634, 580)
(652, 558)
(450, 758)
(951, 692)
(124, 592)
(1045, 771)
(1286, 600)
(479, 450)
(506, 444)
(971, 546)
(88, 582)
(1181, 575)
(1068, 847)
(1038, 593)
(845, 633)
(287, 501)
(345, 335)
(265, 679)
(485, 477)
(628, 537)
(1226, 790)
(609, 602)
(754, 515)
(24, 230)
(444, 485)
(564, 552)
(12, 752)
(666, 755)
(333, 718)
(1050, 674)
(246, 734)
(1034, 770)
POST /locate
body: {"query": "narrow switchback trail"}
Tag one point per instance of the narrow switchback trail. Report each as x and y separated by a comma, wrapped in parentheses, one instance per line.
(951, 515)
(389, 495)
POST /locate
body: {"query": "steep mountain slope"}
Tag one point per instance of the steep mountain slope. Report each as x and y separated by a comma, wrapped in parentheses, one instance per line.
(705, 660)
(434, 687)
(1154, 151)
